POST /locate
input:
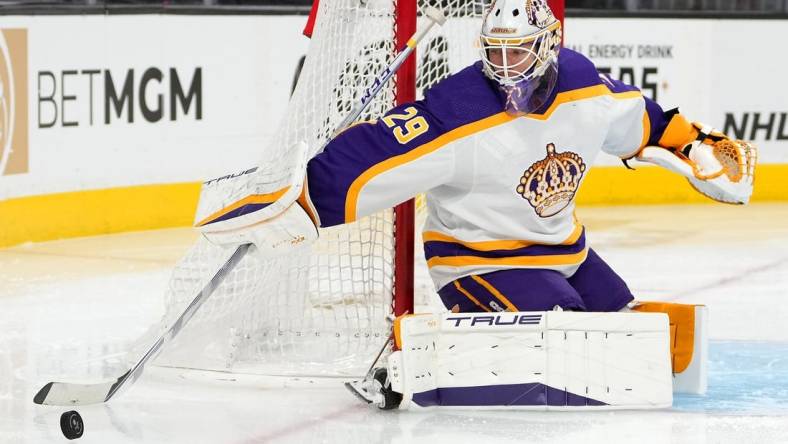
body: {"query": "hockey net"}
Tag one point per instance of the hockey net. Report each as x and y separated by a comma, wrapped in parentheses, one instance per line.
(324, 310)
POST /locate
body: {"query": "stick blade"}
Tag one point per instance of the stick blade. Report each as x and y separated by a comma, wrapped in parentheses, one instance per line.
(66, 394)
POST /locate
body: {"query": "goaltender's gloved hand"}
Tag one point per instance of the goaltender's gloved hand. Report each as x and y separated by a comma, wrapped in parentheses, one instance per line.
(713, 154)
(714, 164)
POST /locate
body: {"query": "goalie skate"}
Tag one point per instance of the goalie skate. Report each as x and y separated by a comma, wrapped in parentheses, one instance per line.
(376, 389)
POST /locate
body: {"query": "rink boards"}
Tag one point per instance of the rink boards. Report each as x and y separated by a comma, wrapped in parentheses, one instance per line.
(118, 118)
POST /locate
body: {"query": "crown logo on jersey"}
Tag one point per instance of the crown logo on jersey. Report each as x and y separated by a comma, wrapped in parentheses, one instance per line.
(550, 184)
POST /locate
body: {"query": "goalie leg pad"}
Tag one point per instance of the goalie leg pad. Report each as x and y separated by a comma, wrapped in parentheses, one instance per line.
(689, 343)
(533, 360)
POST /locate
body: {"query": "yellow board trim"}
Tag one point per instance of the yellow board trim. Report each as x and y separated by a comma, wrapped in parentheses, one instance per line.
(149, 207)
(94, 212)
(654, 185)
(517, 261)
(253, 199)
(498, 295)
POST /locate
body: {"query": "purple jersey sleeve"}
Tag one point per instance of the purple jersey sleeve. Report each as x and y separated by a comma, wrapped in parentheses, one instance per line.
(373, 166)
(335, 176)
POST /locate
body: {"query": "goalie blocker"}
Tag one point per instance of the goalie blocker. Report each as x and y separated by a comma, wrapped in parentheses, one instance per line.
(260, 206)
(546, 360)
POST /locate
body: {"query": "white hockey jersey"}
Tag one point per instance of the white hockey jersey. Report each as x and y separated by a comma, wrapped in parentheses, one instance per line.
(500, 188)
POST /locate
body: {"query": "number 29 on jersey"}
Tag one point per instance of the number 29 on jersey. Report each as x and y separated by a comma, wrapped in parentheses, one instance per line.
(406, 126)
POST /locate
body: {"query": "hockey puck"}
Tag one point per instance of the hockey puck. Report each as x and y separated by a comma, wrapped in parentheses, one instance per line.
(71, 424)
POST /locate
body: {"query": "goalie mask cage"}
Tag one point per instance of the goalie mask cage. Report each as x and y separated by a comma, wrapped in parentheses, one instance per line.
(326, 310)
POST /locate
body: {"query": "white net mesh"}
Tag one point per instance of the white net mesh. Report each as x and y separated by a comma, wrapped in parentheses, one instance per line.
(321, 311)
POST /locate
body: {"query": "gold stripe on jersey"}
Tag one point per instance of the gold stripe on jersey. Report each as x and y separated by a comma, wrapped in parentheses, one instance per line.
(307, 205)
(646, 130)
(248, 200)
(494, 291)
(428, 236)
(515, 261)
(582, 94)
(470, 296)
(351, 201)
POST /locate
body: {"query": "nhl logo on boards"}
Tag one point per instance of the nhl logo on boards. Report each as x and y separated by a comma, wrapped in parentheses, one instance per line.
(550, 184)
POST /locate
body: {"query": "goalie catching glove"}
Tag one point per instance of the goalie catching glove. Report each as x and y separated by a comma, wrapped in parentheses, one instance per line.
(259, 206)
(715, 165)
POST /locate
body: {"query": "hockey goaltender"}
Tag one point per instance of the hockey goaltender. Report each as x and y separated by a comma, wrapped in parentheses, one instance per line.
(535, 318)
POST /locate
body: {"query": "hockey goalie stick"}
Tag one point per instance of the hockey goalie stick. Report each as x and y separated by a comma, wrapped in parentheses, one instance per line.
(63, 393)
(434, 16)
(67, 394)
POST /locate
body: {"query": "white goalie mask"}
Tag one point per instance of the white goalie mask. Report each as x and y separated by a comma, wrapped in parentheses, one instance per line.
(519, 45)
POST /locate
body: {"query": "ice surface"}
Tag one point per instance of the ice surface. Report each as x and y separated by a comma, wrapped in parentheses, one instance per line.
(734, 259)
(745, 377)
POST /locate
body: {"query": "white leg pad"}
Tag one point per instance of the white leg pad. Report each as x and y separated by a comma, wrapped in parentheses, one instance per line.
(533, 360)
